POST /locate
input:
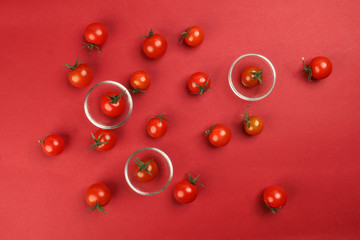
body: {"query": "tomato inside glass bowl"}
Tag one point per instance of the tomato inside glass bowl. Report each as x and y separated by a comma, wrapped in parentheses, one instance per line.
(163, 175)
(93, 105)
(268, 77)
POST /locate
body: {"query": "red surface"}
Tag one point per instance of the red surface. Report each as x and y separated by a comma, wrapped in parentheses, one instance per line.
(309, 146)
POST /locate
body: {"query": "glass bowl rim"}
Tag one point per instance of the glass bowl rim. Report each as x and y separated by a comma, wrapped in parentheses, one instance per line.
(128, 97)
(232, 85)
(163, 154)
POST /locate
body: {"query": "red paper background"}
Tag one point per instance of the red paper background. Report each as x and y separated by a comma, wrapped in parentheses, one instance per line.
(310, 143)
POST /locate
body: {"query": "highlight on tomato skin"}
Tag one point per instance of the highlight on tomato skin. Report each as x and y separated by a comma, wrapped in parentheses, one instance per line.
(145, 169)
(95, 34)
(154, 45)
(113, 104)
(97, 196)
(318, 68)
(157, 126)
(52, 145)
(186, 191)
(219, 135)
(275, 198)
(193, 36)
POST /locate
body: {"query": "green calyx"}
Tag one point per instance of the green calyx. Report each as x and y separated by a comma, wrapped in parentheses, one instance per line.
(273, 210)
(97, 142)
(115, 98)
(194, 181)
(98, 207)
(185, 34)
(210, 130)
(90, 46)
(136, 90)
(202, 88)
(71, 67)
(307, 69)
(142, 166)
(160, 117)
(151, 33)
(246, 117)
(257, 75)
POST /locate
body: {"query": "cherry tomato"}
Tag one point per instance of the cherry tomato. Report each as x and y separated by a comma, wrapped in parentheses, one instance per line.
(253, 125)
(157, 126)
(96, 35)
(97, 196)
(140, 81)
(251, 76)
(80, 75)
(198, 83)
(155, 45)
(103, 140)
(52, 145)
(186, 191)
(193, 36)
(274, 198)
(319, 68)
(145, 170)
(219, 135)
(112, 104)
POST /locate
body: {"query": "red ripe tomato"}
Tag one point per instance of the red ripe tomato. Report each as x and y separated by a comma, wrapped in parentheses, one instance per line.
(251, 76)
(319, 68)
(145, 170)
(253, 125)
(155, 45)
(157, 126)
(140, 81)
(193, 36)
(97, 196)
(80, 75)
(198, 83)
(103, 139)
(112, 104)
(275, 198)
(219, 135)
(52, 145)
(186, 191)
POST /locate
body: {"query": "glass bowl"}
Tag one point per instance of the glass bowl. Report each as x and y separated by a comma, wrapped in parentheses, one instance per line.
(268, 77)
(94, 112)
(159, 182)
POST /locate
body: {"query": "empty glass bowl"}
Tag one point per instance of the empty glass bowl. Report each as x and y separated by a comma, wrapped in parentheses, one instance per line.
(94, 112)
(268, 77)
(159, 182)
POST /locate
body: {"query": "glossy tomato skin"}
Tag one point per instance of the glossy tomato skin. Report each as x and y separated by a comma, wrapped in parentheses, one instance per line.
(52, 145)
(112, 109)
(96, 33)
(195, 36)
(98, 193)
(157, 126)
(81, 76)
(275, 197)
(220, 135)
(140, 80)
(247, 76)
(144, 175)
(200, 79)
(155, 46)
(321, 67)
(185, 192)
(256, 126)
(106, 135)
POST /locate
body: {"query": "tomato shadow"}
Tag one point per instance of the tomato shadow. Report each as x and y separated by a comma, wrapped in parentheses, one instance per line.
(260, 205)
(113, 186)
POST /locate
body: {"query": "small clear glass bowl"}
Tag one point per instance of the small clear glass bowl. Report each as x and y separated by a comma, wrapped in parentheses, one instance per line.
(268, 77)
(159, 182)
(94, 112)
